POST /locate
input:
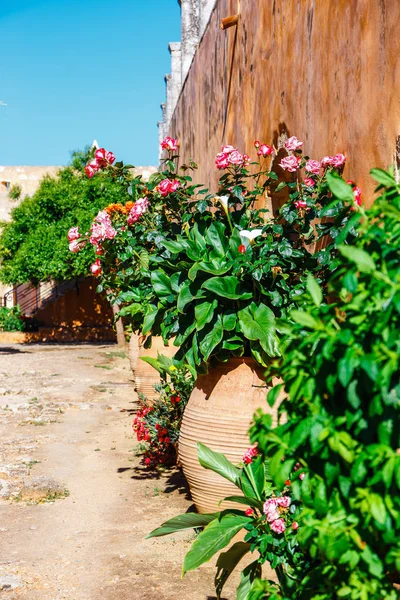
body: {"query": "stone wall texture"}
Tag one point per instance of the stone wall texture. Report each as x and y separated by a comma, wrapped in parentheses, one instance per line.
(325, 71)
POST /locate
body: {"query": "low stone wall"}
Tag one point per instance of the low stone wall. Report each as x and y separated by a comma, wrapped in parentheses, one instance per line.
(59, 335)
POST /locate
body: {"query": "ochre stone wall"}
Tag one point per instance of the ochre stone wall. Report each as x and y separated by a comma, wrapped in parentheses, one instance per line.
(325, 71)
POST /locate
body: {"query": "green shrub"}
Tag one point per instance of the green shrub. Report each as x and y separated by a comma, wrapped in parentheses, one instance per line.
(11, 319)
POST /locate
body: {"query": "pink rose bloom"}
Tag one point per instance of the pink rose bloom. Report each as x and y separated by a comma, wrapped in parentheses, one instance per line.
(110, 158)
(228, 149)
(236, 158)
(357, 195)
(166, 186)
(101, 229)
(249, 512)
(221, 161)
(309, 182)
(96, 268)
(249, 455)
(137, 210)
(73, 234)
(170, 144)
(75, 246)
(293, 143)
(99, 251)
(270, 510)
(301, 476)
(284, 501)
(246, 160)
(91, 168)
(300, 204)
(290, 163)
(313, 166)
(339, 160)
(295, 525)
(278, 526)
(104, 158)
(257, 144)
(327, 161)
(265, 150)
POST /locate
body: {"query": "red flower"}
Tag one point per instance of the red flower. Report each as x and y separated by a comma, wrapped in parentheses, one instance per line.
(249, 512)
(242, 249)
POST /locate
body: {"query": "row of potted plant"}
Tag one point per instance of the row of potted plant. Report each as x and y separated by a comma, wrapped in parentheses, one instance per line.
(319, 494)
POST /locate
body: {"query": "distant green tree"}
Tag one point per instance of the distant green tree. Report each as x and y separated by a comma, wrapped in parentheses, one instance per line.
(34, 244)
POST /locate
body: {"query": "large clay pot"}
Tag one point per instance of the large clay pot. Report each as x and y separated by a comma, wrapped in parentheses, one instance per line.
(218, 414)
(133, 353)
(146, 376)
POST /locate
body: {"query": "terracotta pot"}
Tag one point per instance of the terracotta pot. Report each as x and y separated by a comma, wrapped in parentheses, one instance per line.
(218, 414)
(133, 353)
(146, 376)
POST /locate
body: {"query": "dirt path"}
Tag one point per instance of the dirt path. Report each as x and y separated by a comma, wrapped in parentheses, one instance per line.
(75, 504)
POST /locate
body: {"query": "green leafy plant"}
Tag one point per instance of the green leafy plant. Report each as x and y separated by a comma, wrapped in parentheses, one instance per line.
(157, 424)
(341, 370)
(269, 524)
(11, 319)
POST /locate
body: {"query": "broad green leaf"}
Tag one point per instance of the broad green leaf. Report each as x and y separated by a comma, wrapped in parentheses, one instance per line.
(217, 462)
(214, 537)
(362, 259)
(215, 235)
(339, 187)
(383, 177)
(187, 294)
(212, 338)
(185, 521)
(248, 575)
(314, 290)
(151, 361)
(204, 312)
(245, 500)
(274, 393)
(252, 479)
(227, 562)
(227, 287)
(305, 319)
(149, 319)
(161, 283)
(258, 323)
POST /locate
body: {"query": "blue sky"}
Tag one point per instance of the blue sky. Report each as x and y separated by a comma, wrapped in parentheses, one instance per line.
(75, 70)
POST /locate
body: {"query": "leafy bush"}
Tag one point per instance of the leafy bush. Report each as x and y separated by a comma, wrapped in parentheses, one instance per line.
(157, 424)
(34, 246)
(341, 370)
(11, 319)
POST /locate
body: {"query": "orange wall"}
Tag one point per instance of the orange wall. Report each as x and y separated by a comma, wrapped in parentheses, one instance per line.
(82, 308)
(327, 71)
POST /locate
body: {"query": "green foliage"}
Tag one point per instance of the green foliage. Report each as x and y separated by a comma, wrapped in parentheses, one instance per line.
(34, 245)
(341, 370)
(281, 550)
(11, 319)
(15, 192)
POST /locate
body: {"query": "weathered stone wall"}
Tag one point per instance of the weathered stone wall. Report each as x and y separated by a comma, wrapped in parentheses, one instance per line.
(327, 72)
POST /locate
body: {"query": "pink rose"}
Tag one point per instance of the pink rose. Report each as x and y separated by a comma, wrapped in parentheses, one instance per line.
(278, 526)
(73, 234)
(257, 144)
(295, 525)
(75, 246)
(249, 512)
(221, 161)
(290, 163)
(284, 501)
(166, 186)
(137, 210)
(339, 160)
(293, 143)
(101, 229)
(91, 168)
(327, 161)
(249, 455)
(228, 149)
(300, 204)
(96, 268)
(170, 144)
(356, 192)
(301, 476)
(309, 182)
(103, 158)
(265, 150)
(270, 510)
(236, 158)
(313, 166)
